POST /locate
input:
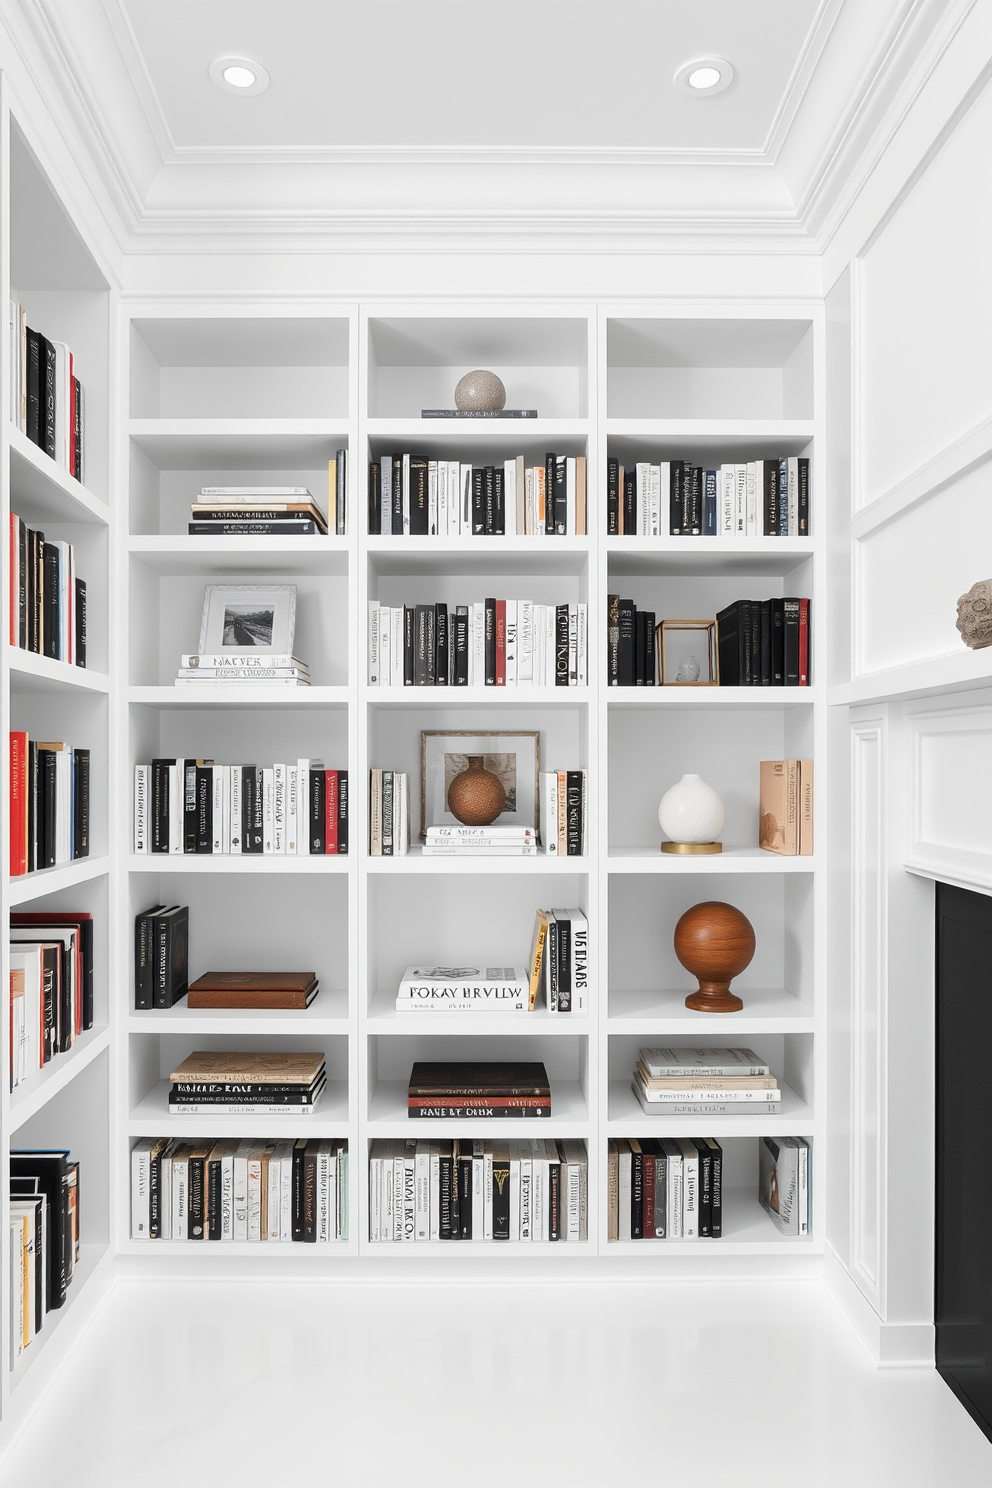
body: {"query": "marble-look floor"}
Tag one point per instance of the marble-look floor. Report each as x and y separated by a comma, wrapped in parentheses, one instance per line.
(410, 1385)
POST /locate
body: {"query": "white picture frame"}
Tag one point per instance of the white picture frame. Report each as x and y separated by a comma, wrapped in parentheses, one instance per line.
(248, 617)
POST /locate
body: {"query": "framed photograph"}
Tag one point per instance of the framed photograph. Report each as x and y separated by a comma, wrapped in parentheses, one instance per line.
(514, 756)
(248, 617)
(687, 654)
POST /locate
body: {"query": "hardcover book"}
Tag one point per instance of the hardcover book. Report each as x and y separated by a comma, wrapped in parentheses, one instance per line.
(223, 1066)
(463, 988)
(258, 989)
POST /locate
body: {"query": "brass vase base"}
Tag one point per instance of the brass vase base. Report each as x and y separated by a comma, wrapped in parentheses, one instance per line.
(692, 847)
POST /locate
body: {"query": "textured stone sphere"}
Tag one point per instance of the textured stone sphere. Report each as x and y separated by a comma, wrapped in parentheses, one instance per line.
(476, 797)
(974, 620)
(480, 392)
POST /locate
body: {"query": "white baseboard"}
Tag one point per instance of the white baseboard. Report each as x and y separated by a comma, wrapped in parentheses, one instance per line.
(891, 1345)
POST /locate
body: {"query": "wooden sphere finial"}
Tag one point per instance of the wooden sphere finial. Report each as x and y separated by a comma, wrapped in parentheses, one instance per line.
(715, 942)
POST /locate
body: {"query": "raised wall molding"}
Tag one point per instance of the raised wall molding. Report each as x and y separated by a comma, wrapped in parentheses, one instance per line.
(952, 796)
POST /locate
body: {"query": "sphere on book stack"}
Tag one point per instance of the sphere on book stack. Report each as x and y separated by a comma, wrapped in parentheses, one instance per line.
(692, 815)
(715, 942)
(480, 392)
(476, 796)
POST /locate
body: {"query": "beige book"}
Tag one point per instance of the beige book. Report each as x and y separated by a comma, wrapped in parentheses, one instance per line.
(562, 813)
(580, 495)
(219, 1067)
(705, 1082)
(778, 824)
(375, 813)
(612, 1192)
(806, 808)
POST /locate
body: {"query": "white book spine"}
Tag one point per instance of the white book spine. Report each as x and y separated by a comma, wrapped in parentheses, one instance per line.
(373, 643)
(375, 1177)
(432, 498)
(539, 1196)
(239, 1196)
(728, 499)
(549, 813)
(583, 645)
(511, 639)
(434, 1192)
(422, 1192)
(573, 645)
(573, 1197)
(165, 1198)
(140, 1175)
(254, 1198)
(141, 773)
(525, 642)
(279, 809)
(180, 1176)
(623, 1195)
(655, 500)
(268, 811)
(323, 1225)
(509, 498)
(236, 781)
(442, 497)
(176, 797)
(579, 941)
(526, 1184)
(292, 808)
(642, 479)
(514, 1198)
(690, 1191)
(217, 774)
(384, 666)
(803, 1196)
(405, 489)
(478, 643)
(396, 646)
(409, 1227)
(740, 501)
(286, 1195)
(753, 527)
(674, 1196)
(272, 1197)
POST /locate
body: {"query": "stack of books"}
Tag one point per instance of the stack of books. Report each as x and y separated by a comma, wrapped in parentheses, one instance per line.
(764, 643)
(664, 1190)
(49, 804)
(46, 396)
(705, 1082)
(389, 814)
(161, 956)
(479, 989)
(257, 1189)
(412, 496)
(44, 1239)
(222, 1083)
(480, 1088)
(47, 600)
(51, 986)
(480, 842)
(263, 511)
(472, 1190)
(259, 668)
(559, 961)
(253, 989)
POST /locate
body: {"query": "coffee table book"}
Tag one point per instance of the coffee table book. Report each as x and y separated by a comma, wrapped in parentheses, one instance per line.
(259, 989)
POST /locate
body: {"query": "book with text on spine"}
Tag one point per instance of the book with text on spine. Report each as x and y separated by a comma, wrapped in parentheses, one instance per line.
(493, 989)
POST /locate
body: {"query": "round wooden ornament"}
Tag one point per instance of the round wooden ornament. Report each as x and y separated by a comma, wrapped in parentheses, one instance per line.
(715, 942)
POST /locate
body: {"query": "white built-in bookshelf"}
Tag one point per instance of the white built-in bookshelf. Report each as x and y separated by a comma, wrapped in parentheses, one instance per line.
(186, 393)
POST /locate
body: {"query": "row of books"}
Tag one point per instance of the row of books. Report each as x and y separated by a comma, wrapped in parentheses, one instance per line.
(44, 1239)
(757, 498)
(785, 814)
(764, 643)
(785, 1183)
(227, 668)
(478, 1190)
(46, 396)
(231, 1083)
(563, 813)
(413, 495)
(389, 814)
(161, 956)
(272, 511)
(47, 599)
(196, 806)
(664, 1189)
(251, 1190)
(51, 986)
(491, 643)
(456, 1089)
(706, 1082)
(49, 803)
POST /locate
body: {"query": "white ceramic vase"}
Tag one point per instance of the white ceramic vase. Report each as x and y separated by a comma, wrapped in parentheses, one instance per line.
(691, 811)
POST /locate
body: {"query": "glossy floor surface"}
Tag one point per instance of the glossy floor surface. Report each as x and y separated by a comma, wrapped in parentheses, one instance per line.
(252, 1383)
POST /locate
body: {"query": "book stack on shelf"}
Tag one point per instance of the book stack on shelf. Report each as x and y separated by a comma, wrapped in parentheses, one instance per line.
(785, 814)
(51, 986)
(44, 1239)
(252, 990)
(256, 668)
(247, 632)
(161, 956)
(563, 813)
(197, 806)
(478, 1190)
(705, 1082)
(256, 511)
(389, 814)
(559, 963)
(414, 496)
(759, 498)
(480, 842)
(785, 1183)
(464, 989)
(457, 1090)
(46, 397)
(212, 1083)
(764, 643)
(49, 804)
(490, 643)
(250, 1190)
(631, 644)
(47, 599)
(660, 1189)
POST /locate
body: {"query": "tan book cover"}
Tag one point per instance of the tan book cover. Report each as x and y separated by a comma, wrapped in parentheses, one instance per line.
(806, 808)
(537, 958)
(612, 1192)
(778, 824)
(580, 496)
(705, 1082)
(221, 1066)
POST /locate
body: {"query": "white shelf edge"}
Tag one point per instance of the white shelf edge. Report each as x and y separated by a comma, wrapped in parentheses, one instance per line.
(92, 1257)
(734, 860)
(955, 671)
(240, 695)
(28, 1099)
(54, 676)
(233, 863)
(674, 696)
(28, 886)
(82, 505)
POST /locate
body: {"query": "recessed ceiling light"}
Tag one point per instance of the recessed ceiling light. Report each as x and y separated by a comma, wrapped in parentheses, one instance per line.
(239, 75)
(704, 77)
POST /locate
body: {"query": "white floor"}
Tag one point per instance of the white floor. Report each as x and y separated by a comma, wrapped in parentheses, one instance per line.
(252, 1383)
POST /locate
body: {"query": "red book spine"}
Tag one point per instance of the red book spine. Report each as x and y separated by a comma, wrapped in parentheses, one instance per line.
(647, 1206)
(804, 643)
(18, 804)
(330, 811)
(501, 643)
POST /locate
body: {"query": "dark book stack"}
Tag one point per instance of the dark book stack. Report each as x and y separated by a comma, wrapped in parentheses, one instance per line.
(675, 498)
(564, 818)
(478, 1190)
(47, 397)
(254, 989)
(764, 643)
(415, 496)
(559, 961)
(222, 1083)
(389, 814)
(49, 804)
(479, 1088)
(47, 600)
(270, 511)
(161, 956)
(256, 1189)
(44, 1234)
(488, 643)
(631, 645)
(52, 954)
(196, 806)
(664, 1188)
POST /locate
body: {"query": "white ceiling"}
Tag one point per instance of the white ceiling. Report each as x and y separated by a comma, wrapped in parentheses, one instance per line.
(444, 121)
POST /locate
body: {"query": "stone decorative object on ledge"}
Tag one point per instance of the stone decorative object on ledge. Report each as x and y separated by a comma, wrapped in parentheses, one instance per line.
(975, 615)
(480, 392)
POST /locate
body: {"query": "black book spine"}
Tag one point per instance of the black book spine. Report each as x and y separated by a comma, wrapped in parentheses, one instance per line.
(612, 497)
(53, 608)
(33, 426)
(47, 764)
(38, 576)
(341, 492)
(213, 1199)
(629, 495)
(279, 527)
(716, 1193)
(626, 643)
(189, 806)
(660, 1191)
(676, 517)
(465, 1195)
(309, 1198)
(77, 416)
(409, 648)
(420, 647)
(554, 1200)
(637, 1196)
(694, 516)
(343, 812)
(258, 813)
(80, 638)
(705, 1191)
(34, 814)
(770, 498)
(160, 805)
(490, 639)
(441, 658)
(790, 631)
(375, 498)
(561, 645)
(66, 1030)
(48, 396)
(460, 639)
(204, 784)
(387, 813)
(783, 499)
(194, 1228)
(317, 806)
(501, 1200)
(574, 806)
(445, 1231)
(777, 644)
(249, 789)
(86, 937)
(613, 640)
(23, 586)
(50, 999)
(747, 643)
(297, 1196)
(419, 502)
(765, 643)
(489, 500)
(155, 1195)
(650, 657)
(430, 644)
(549, 495)
(397, 496)
(563, 934)
(80, 803)
(478, 501)
(561, 496)
(728, 650)
(802, 498)
(710, 500)
(499, 502)
(143, 962)
(640, 648)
